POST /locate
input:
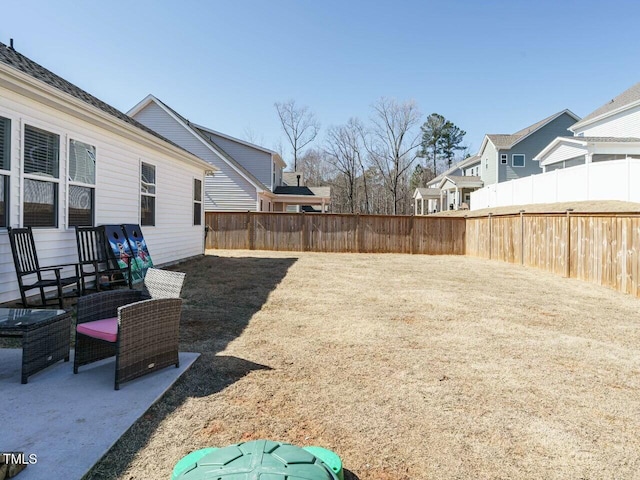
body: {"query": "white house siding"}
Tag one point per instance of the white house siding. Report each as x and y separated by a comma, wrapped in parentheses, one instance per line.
(226, 190)
(117, 193)
(258, 162)
(565, 151)
(625, 124)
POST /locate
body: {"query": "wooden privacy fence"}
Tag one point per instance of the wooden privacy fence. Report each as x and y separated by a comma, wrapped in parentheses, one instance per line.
(601, 248)
(336, 233)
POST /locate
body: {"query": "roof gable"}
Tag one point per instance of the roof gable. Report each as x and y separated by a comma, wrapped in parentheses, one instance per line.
(626, 99)
(508, 141)
(458, 166)
(200, 135)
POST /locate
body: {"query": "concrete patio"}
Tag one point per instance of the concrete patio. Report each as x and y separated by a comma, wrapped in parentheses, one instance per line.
(67, 422)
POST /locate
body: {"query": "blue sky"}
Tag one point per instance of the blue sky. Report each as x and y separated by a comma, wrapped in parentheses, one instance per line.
(489, 66)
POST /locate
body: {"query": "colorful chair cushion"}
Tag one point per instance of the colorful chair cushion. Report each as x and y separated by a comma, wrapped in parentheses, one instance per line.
(106, 329)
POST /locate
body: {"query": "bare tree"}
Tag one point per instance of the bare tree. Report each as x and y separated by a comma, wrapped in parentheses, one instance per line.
(392, 143)
(316, 168)
(299, 125)
(345, 151)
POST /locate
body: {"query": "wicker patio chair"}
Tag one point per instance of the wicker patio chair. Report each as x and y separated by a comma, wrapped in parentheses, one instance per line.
(30, 273)
(139, 327)
(97, 260)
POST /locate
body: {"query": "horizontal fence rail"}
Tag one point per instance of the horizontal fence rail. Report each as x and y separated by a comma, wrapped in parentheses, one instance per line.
(336, 233)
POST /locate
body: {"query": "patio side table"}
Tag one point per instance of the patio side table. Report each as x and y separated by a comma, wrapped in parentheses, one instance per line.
(46, 336)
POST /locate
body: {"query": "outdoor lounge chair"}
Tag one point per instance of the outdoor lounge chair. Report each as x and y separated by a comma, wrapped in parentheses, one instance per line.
(30, 273)
(139, 327)
(96, 259)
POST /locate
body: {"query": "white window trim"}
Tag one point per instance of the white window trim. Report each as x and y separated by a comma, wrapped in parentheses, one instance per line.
(154, 195)
(504, 159)
(524, 160)
(7, 173)
(68, 182)
(201, 202)
(62, 153)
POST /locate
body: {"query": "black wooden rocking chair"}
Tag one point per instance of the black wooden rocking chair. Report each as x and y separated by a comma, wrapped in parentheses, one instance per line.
(25, 259)
(98, 260)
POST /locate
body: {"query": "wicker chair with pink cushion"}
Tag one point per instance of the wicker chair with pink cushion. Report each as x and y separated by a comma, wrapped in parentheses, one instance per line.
(139, 327)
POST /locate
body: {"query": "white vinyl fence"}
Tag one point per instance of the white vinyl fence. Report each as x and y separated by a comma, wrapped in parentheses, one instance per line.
(611, 180)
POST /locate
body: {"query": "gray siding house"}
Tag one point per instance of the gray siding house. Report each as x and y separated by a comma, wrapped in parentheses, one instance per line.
(247, 174)
(504, 157)
(248, 177)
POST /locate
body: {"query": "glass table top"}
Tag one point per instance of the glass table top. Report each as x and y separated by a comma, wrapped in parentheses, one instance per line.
(24, 317)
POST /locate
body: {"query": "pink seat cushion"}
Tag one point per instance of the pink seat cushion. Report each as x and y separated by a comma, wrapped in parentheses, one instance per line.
(106, 329)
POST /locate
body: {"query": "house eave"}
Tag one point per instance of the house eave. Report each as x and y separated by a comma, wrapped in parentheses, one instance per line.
(584, 123)
(34, 89)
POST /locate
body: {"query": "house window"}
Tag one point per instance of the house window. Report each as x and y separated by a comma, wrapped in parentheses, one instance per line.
(517, 160)
(82, 182)
(147, 194)
(5, 165)
(503, 158)
(197, 201)
(41, 177)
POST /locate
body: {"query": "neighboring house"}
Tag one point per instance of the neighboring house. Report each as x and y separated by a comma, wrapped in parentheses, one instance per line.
(611, 132)
(247, 176)
(303, 198)
(508, 157)
(246, 173)
(450, 189)
(600, 162)
(67, 158)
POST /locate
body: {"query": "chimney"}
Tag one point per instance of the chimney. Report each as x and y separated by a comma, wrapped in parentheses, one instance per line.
(11, 43)
(298, 177)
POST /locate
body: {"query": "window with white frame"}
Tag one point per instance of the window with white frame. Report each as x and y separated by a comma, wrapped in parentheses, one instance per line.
(517, 160)
(82, 183)
(197, 201)
(41, 167)
(147, 194)
(5, 167)
(503, 158)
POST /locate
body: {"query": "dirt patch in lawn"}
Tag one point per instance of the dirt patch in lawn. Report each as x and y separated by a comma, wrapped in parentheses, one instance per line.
(409, 367)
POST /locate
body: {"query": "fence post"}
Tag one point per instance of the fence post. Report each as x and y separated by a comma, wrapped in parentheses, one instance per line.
(250, 231)
(216, 226)
(567, 272)
(490, 235)
(305, 233)
(357, 249)
(521, 237)
(411, 240)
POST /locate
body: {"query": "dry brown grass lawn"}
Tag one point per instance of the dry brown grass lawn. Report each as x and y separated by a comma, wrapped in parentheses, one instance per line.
(409, 367)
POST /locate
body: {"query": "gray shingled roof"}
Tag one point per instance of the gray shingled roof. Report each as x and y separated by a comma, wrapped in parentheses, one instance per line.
(459, 165)
(469, 180)
(507, 141)
(12, 58)
(321, 191)
(627, 97)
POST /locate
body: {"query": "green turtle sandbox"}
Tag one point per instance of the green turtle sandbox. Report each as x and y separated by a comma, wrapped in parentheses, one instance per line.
(259, 459)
